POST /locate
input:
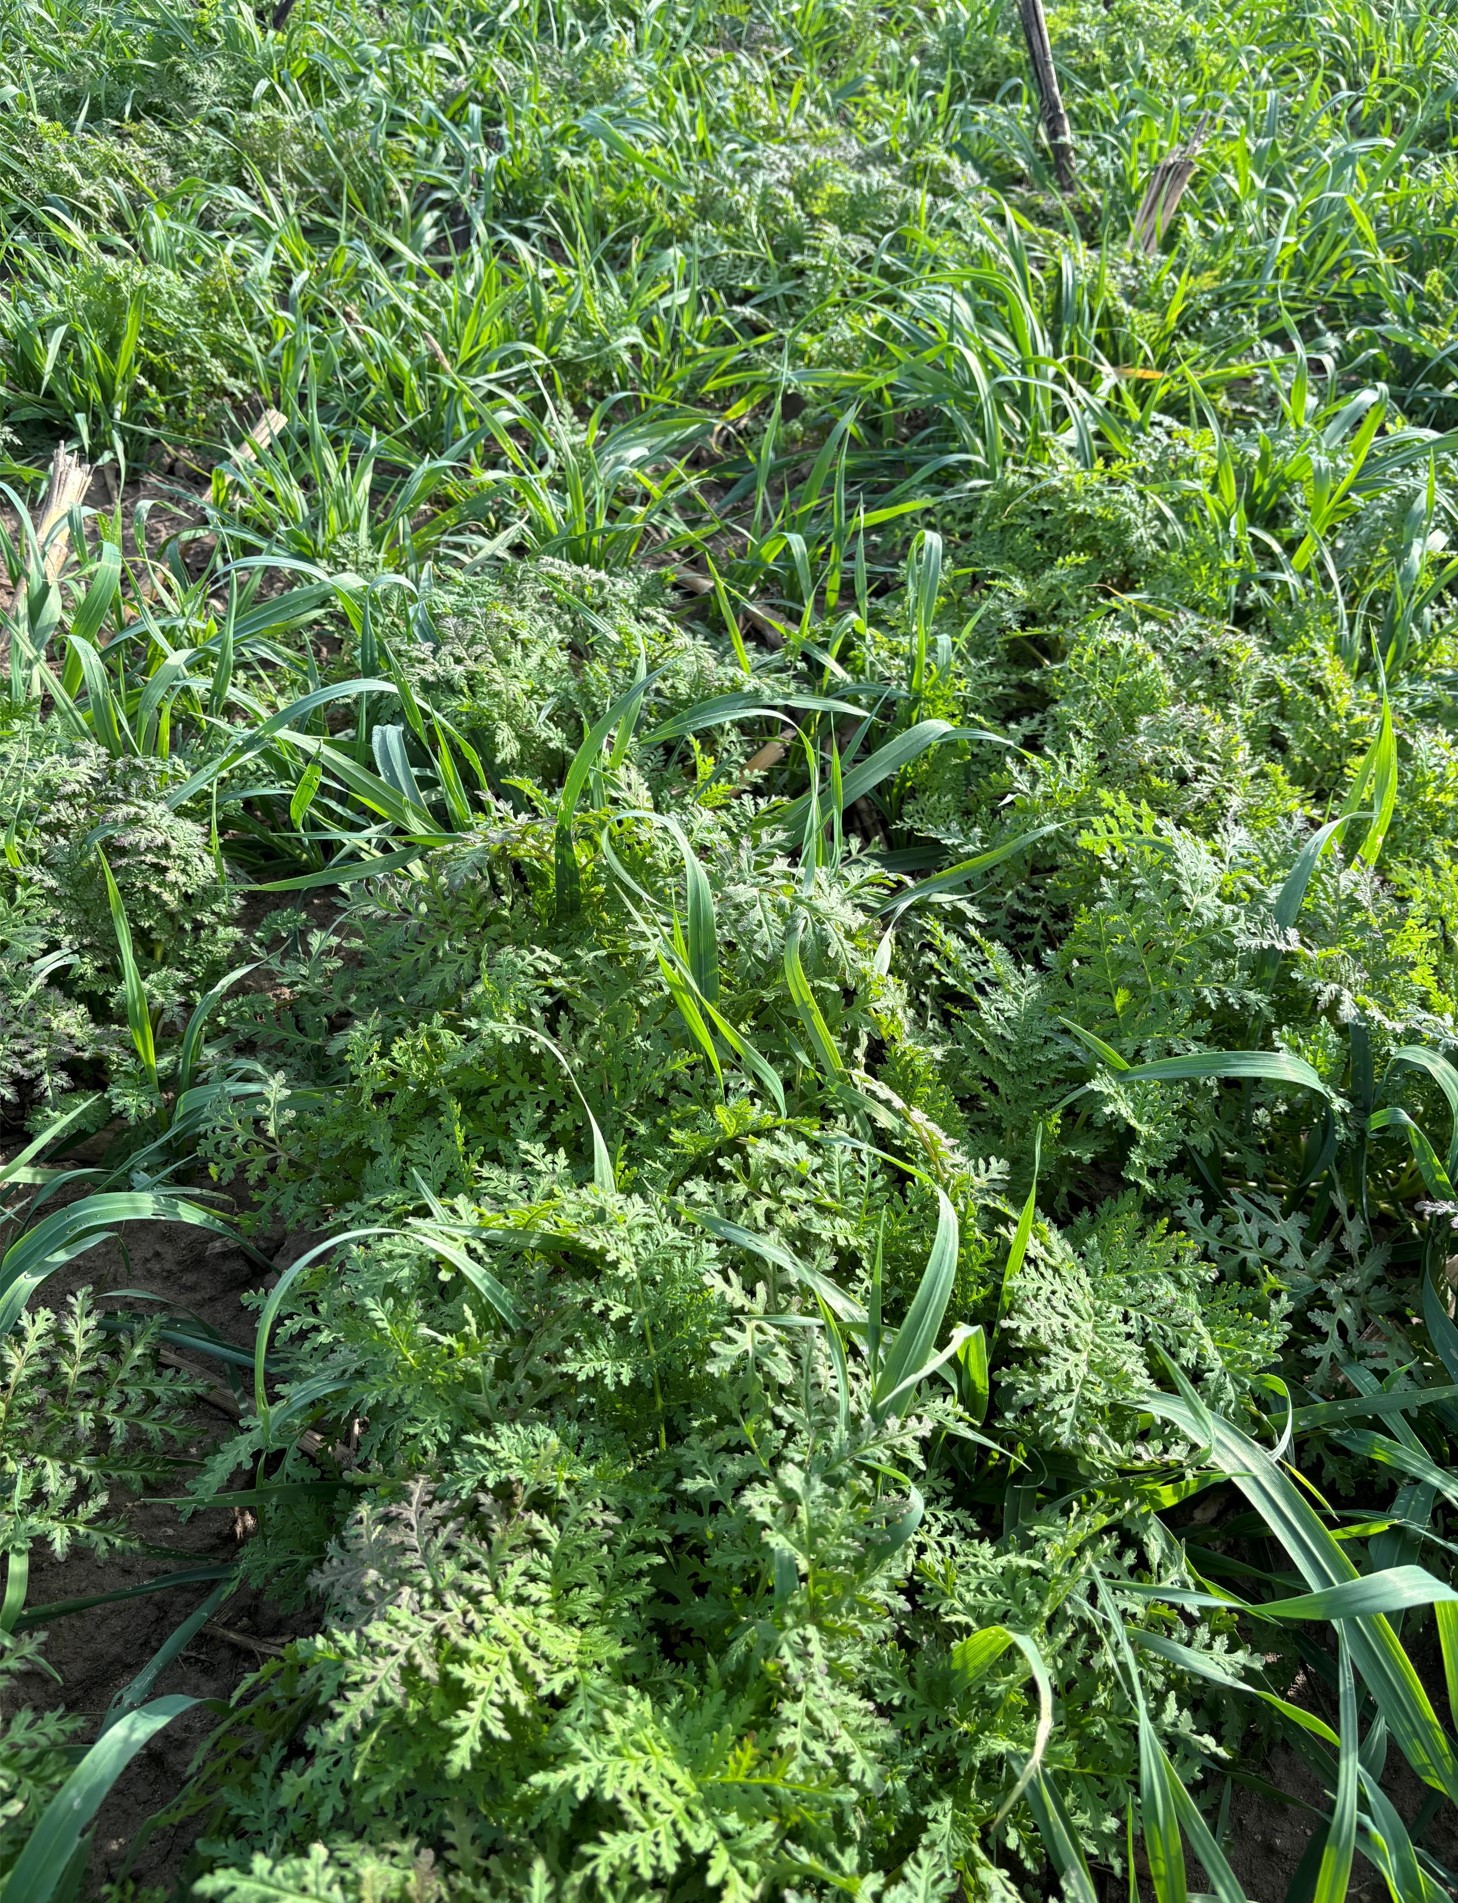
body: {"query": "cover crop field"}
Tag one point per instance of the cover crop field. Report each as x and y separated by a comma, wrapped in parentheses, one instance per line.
(729, 1006)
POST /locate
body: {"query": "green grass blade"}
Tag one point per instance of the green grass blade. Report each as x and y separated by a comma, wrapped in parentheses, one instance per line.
(807, 1004)
(1022, 1235)
(955, 877)
(1397, 1589)
(139, 1014)
(1335, 1874)
(973, 1658)
(1230, 1067)
(1210, 1666)
(587, 756)
(1383, 1840)
(842, 1306)
(1292, 895)
(90, 616)
(700, 927)
(139, 1690)
(1385, 1667)
(1163, 1844)
(482, 1280)
(911, 1351)
(1060, 1840)
(17, 1584)
(192, 1037)
(1434, 1175)
(69, 1232)
(58, 1835)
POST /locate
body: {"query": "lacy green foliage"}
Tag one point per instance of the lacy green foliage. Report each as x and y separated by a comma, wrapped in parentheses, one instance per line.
(615, 1667)
(34, 1755)
(523, 658)
(646, 1603)
(642, 1629)
(694, 1393)
(82, 1413)
(86, 1415)
(60, 994)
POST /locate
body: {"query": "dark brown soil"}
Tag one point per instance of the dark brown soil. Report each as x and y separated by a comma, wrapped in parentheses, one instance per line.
(1269, 1838)
(98, 1652)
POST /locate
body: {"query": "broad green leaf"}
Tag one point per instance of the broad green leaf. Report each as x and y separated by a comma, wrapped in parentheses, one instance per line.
(907, 1360)
(139, 1011)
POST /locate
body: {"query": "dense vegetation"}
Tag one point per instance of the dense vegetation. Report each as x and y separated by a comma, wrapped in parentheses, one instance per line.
(802, 820)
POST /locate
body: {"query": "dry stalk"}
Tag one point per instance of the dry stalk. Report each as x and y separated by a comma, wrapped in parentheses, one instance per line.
(764, 625)
(245, 1641)
(258, 438)
(66, 489)
(1167, 184)
(1045, 77)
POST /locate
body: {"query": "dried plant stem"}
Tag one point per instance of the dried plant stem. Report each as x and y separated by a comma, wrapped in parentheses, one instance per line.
(1167, 185)
(70, 478)
(258, 438)
(1045, 77)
